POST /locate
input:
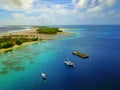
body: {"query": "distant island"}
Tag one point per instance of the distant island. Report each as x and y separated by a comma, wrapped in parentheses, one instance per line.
(48, 30)
(11, 40)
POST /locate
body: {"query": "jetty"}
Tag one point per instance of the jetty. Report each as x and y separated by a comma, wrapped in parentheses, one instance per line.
(82, 55)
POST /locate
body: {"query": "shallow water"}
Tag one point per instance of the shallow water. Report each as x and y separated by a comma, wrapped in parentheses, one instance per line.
(20, 69)
(13, 28)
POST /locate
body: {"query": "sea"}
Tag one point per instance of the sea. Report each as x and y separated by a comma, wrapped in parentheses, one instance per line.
(20, 69)
(13, 28)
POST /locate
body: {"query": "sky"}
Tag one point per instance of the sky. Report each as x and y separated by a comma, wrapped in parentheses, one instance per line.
(59, 12)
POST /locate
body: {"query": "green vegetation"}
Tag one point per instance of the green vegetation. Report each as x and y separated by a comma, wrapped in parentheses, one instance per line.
(48, 30)
(34, 39)
(18, 42)
(11, 40)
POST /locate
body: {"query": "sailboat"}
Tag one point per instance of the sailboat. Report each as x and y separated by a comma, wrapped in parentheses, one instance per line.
(68, 62)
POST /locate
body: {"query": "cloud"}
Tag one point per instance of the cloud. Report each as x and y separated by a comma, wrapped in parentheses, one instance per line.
(56, 12)
(100, 5)
(16, 4)
(93, 5)
(18, 15)
(54, 17)
(95, 9)
(21, 19)
(107, 2)
(80, 3)
(36, 13)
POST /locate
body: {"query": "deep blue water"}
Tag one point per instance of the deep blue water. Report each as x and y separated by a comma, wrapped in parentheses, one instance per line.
(99, 72)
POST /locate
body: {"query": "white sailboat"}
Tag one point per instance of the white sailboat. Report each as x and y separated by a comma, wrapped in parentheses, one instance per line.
(68, 62)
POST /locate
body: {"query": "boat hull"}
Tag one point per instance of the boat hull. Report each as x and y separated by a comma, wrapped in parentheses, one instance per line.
(43, 76)
(69, 64)
(82, 55)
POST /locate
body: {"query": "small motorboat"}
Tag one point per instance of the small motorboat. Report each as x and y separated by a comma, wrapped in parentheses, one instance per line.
(43, 76)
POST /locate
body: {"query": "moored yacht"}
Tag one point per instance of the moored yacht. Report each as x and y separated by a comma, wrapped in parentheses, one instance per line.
(68, 62)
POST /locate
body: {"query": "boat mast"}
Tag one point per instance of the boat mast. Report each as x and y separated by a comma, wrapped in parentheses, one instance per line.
(67, 58)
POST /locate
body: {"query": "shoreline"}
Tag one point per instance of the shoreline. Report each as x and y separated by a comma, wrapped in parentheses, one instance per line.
(16, 46)
(30, 33)
(16, 30)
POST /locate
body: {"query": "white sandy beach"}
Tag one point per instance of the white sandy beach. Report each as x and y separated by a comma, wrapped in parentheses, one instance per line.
(30, 34)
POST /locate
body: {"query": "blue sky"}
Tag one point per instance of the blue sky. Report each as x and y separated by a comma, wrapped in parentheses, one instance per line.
(59, 12)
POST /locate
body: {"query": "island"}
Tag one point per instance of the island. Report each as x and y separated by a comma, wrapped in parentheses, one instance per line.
(12, 40)
(48, 30)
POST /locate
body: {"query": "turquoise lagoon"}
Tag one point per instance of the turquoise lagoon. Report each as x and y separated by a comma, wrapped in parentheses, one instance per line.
(20, 68)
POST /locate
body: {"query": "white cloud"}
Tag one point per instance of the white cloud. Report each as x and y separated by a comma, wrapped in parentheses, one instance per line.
(46, 12)
(100, 5)
(93, 5)
(80, 3)
(20, 18)
(89, 15)
(53, 9)
(62, 11)
(16, 4)
(54, 17)
(107, 2)
(18, 15)
(95, 9)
